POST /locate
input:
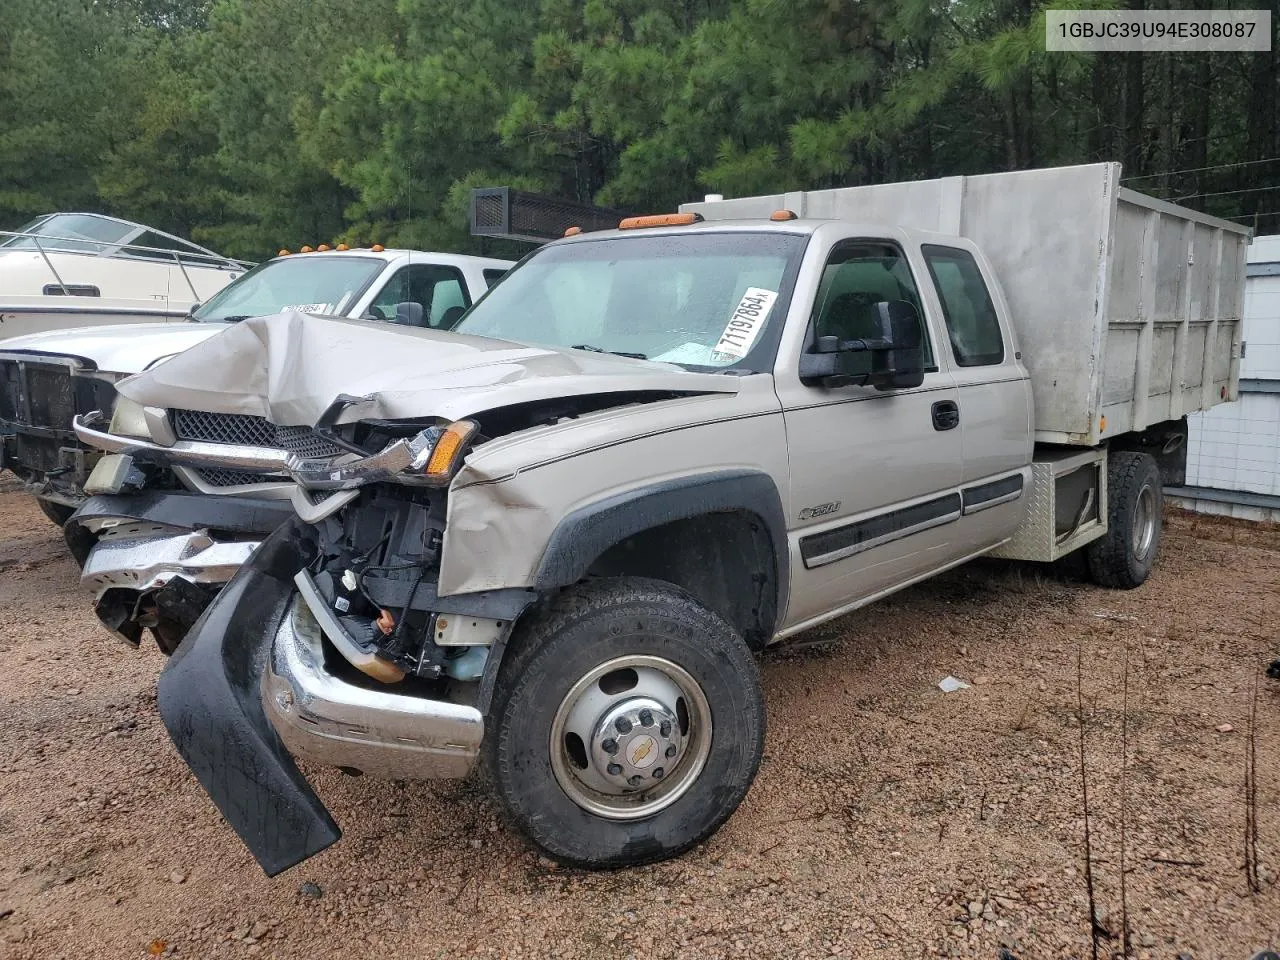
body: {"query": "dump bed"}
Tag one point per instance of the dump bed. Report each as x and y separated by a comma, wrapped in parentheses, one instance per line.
(1128, 309)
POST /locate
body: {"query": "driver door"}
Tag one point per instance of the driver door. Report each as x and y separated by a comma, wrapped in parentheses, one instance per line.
(875, 474)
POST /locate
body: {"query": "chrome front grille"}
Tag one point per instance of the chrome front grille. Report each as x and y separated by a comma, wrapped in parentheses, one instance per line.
(235, 428)
(250, 431)
(305, 442)
(232, 478)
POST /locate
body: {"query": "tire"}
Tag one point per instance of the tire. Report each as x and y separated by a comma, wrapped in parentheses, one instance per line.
(631, 624)
(59, 513)
(1123, 558)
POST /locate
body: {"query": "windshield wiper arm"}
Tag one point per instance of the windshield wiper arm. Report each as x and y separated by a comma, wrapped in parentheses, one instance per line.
(617, 353)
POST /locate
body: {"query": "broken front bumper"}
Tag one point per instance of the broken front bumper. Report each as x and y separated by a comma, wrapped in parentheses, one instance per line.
(248, 691)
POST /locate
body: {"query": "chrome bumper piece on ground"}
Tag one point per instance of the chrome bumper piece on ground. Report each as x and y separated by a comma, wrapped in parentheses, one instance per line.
(329, 721)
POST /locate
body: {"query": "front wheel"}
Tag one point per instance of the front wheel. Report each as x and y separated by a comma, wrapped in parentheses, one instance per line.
(627, 724)
(1123, 557)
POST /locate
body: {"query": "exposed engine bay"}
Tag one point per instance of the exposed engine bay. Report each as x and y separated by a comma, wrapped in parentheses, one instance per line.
(373, 590)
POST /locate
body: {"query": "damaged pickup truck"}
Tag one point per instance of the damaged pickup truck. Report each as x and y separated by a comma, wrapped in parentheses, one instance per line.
(552, 540)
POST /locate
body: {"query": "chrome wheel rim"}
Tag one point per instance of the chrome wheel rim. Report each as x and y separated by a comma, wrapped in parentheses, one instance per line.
(630, 737)
(1144, 522)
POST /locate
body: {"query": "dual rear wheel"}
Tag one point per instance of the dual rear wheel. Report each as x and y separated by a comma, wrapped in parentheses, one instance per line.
(1122, 558)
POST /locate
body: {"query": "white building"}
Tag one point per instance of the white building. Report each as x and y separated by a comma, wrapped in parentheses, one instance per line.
(1233, 453)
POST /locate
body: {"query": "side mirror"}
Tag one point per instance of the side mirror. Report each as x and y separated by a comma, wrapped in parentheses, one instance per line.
(896, 359)
(410, 314)
(900, 365)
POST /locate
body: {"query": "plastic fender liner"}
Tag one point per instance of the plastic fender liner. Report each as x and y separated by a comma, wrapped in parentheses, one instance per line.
(208, 697)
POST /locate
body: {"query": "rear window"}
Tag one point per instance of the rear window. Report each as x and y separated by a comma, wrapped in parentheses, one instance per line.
(972, 323)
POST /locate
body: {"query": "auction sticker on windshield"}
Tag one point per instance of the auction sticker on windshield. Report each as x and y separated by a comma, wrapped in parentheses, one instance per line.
(744, 325)
(308, 307)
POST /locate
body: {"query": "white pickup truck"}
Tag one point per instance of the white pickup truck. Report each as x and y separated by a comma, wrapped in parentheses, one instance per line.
(555, 535)
(47, 378)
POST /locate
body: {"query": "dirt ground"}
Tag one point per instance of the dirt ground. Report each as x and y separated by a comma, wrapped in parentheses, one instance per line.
(889, 819)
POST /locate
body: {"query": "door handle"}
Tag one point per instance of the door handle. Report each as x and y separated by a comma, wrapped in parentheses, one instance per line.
(946, 415)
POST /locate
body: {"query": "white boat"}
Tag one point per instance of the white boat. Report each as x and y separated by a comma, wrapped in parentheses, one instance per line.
(76, 269)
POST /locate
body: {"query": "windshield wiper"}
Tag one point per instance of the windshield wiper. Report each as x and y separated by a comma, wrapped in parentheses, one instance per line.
(617, 353)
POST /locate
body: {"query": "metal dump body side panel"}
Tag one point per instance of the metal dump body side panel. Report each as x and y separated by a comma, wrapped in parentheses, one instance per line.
(1078, 260)
(1174, 313)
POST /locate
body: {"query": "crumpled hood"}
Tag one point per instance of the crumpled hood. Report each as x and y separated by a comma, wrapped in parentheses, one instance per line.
(290, 367)
(118, 348)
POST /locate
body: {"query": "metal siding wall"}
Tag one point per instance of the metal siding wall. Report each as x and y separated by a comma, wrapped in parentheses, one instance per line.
(1236, 446)
(1262, 329)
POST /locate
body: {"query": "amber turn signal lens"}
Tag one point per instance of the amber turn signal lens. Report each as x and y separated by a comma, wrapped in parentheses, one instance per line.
(449, 449)
(660, 220)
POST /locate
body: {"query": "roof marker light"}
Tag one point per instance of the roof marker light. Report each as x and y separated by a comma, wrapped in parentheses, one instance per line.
(343, 247)
(283, 252)
(660, 220)
(573, 231)
(781, 215)
(377, 248)
(304, 249)
(322, 248)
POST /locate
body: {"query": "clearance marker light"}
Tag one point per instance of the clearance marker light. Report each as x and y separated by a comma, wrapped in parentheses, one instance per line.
(660, 220)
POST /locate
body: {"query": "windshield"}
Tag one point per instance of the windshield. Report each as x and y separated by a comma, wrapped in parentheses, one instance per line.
(699, 299)
(74, 231)
(305, 282)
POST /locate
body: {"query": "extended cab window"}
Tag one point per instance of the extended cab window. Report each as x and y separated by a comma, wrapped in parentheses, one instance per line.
(858, 276)
(439, 290)
(971, 317)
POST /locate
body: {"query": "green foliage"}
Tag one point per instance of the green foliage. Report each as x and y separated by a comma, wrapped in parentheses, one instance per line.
(254, 124)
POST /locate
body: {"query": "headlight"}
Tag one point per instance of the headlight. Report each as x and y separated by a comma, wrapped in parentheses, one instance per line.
(129, 419)
(429, 458)
(439, 464)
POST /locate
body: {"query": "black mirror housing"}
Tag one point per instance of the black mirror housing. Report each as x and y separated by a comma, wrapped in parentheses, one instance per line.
(897, 354)
(410, 314)
(901, 365)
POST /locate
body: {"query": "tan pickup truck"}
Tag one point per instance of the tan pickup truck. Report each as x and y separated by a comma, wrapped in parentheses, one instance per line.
(556, 535)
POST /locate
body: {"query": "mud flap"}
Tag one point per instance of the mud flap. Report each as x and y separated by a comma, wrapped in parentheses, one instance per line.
(209, 699)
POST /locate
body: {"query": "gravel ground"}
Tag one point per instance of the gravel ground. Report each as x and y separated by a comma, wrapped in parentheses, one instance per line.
(888, 820)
